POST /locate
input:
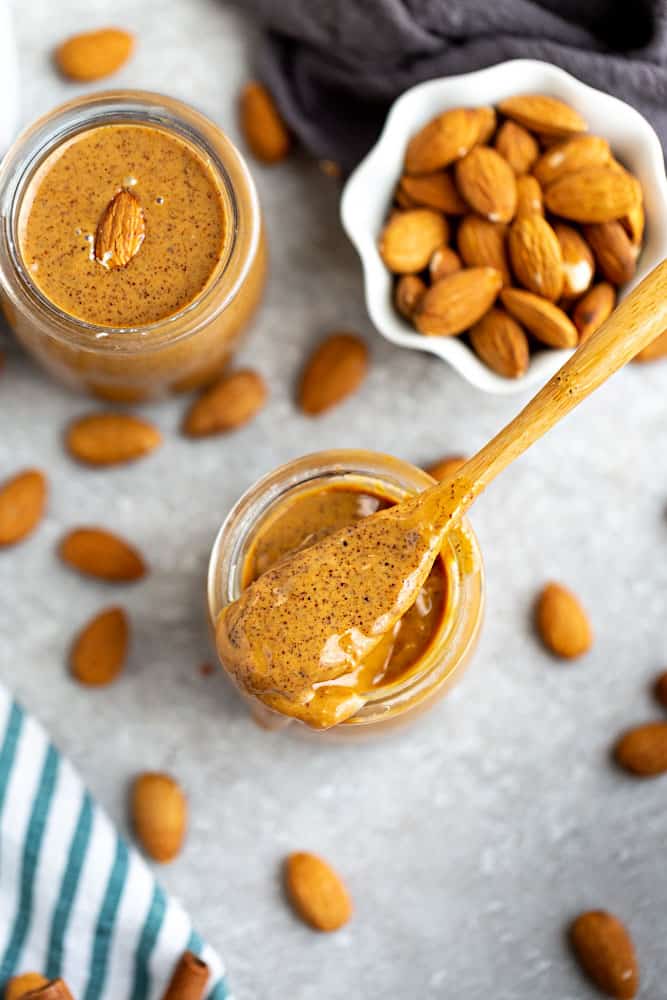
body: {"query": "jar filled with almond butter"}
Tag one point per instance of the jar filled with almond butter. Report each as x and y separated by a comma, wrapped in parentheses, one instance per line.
(131, 249)
(429, 646)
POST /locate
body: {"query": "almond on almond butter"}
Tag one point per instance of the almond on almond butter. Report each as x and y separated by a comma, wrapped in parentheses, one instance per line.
(596, 194)
(22, 505)
(121, 231)
(111, 438)
(546, 115)
(500, 343)
(517, 146)
(335, 370)
(99, 651)
(529, 199)
(444, 261)
(444, 139)
(482, 244)
(593, 309)
(409, 290)
(262, 124)
(159, 813)
(614, 251)
(562, 623)
(226, 405)
(544, 319)
(317, 892)
(654, 351)
(454, 303)
(409, 239)
(94, 54)
(643, 750)
(606, 953)
(487, 183)
(578, 263)
(436, 190)
(571, 155)
(535, 253)
(446, 467)
(18, 986)
(99, 553)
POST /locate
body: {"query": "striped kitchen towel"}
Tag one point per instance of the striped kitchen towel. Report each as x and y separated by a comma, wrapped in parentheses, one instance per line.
(75, 900)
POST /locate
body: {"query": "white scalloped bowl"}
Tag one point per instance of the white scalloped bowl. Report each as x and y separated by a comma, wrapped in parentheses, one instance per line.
(368, 193)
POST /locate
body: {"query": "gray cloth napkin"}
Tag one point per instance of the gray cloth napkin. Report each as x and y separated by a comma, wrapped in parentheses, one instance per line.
(335, 66)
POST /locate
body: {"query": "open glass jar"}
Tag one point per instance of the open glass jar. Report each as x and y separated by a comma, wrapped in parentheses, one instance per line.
(399, 697)
(133, 361)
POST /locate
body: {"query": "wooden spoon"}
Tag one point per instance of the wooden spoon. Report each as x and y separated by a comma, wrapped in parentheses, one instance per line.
(299, 637)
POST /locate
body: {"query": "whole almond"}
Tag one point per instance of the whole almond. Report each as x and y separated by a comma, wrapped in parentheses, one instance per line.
(571, 155)
(444, 261)
(487, 183)
(643, 750)
(562, 623)
(409, 290)
(482, 244)
(535, 253)
(501, 344)
(121, 231)
(409, 239)
(229, 403)
(94, 54)
(614, 251)
(159, 814)
(660, 689)
(529, 199)
(487, 120)
(455, 303)
(111, 438)
(596, 194)
(317, 892)
(436, 190)
(22, 504)
(517, 146)
(99, 651)
(578, 263)
(98, 553)
(606, 953)
(654, 351)
(543, 114)
(262, 125)
(444, 139)
(591, 311)
(544, 319)
(446, 467)
(335, 370)
(18, 986)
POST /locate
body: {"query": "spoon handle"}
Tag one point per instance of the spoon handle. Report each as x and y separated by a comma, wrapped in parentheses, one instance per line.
(634, 324)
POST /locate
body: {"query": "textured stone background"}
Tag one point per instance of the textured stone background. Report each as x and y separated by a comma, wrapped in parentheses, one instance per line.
(468, 841)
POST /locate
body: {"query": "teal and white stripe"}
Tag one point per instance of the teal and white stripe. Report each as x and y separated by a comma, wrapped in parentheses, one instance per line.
(75, 900)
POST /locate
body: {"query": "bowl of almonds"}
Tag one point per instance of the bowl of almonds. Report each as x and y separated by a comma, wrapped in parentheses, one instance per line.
(501, 215)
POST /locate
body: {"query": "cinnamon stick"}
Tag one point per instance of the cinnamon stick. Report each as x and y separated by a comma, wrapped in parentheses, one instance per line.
(189, 979)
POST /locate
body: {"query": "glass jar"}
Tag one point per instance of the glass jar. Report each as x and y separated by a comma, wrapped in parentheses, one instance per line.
(449, 650)
(177, 353)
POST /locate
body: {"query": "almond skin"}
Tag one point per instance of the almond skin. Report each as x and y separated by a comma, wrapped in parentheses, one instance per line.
(562, 623)
(263, 128)
(573, 154)
(409, 290)
(98, 553)
(444, 262)
(18, 986)
(482, 244)
(94, 54)
(454, 303)
(409, 239)
(654, 351)
(606, 953)
(578, 263)
(597, 194)
(591, 311)
(544, 319)
(334, 371)
(660, 689)
(436, 190)
(445, 139)
(643, 750)
(317, 892)
(546, 115)
(159, 815)
(111, 438)
(536, 256)
(500, 343)
(488, 184)
(529, 198)
(516, 145)
(614, 251)
(446, 467)
(229, 403)
(120, 232)
(22, 505)
(99, 651)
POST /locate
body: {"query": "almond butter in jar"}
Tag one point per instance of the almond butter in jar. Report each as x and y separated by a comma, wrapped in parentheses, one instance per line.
(313, 496)
(132, 254)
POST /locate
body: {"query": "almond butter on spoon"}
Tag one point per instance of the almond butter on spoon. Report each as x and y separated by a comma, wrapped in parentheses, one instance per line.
(300, 637)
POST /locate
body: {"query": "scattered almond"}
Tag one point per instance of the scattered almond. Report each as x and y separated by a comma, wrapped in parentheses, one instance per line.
(578, 263)
(574, 154)
(99, 553)
(654, 351)
(444, 261)
(535, 253)
(482, 244)
(454, 303)
(227, 404)
(22, 504)
(18, 986)
(528, 197)
(446, 467)
(643, 750)
(501, 344)
(409, 290)
(317, 892)
(334, 371)
(606, 953)
(546, 115)
(591, 311)
(487, 183)
(94, 54)
(409, 239)
(517, 146)
(596, 194)
(436, 190)
(614, 251)
(262, 125)
(544, 319)
(159, 814)
(111, 438)
(99, 651)
(121, 231)
(660, 689)
(444, 139)
(562, 623)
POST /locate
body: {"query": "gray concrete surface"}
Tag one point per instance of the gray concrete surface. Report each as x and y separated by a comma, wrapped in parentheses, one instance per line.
(470, 840)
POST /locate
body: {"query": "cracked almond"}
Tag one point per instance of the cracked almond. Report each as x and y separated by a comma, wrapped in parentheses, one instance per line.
(535, 253)
(121, 231)
(22, 504)
(111, 438)
(488, 184)
(94, 54)
(409, 239)
(317, 892)
(335, 370)
(562, 622)
(606, 953)
(99, 553)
